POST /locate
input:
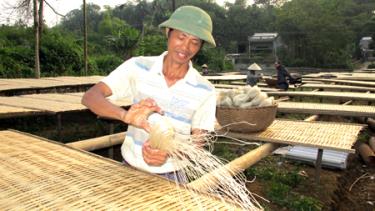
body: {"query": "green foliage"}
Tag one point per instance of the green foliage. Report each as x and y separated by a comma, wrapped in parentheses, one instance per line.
(317, 33)
(224, 151)
(228, 65)
(278, 193)
(73, 21)
(321, 33)
(280, 183)
(271, 173)
(104, 64)
(16, 62)
(305, 203)
(111, 25)
(213, 57)
(60, 55)
(16, 52)
(151, 45)
(124, 41)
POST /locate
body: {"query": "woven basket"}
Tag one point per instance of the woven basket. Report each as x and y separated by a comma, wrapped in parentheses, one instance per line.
(258, 117)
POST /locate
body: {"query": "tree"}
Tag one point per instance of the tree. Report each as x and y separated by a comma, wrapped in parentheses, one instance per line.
(316, 33)
(85, 57)
(23, 7)
(73, 20)
(120, 36)
(36, 33)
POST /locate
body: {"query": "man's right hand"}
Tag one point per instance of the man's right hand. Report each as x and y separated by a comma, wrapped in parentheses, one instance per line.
(138, 113)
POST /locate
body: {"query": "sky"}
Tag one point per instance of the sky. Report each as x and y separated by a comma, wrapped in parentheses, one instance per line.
(62, 7)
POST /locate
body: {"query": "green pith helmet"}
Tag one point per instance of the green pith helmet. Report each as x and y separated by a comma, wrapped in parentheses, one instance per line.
(192, 20)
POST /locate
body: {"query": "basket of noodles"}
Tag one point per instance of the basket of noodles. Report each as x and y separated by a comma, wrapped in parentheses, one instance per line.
(245, 109)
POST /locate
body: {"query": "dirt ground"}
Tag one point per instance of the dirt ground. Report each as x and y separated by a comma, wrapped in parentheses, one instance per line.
(351, 189)
(356, 187)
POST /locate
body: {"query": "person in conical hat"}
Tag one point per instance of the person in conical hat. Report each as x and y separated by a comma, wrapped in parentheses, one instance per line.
(204, 69)
(253, 78)
(254, 66)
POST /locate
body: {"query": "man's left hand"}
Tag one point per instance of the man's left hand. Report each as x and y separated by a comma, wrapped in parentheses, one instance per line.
(153, 157)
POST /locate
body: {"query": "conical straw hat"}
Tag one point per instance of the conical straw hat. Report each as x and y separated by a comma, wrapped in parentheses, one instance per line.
(254, 66)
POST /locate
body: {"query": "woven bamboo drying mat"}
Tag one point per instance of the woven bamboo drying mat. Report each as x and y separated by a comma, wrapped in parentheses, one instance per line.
(357, 83)
(44, 175)
(31, 83)
(9, 111)
(230, 86)
(334, 95)
(327, 109)
(338, 87)
(323, 135)
(54, 102)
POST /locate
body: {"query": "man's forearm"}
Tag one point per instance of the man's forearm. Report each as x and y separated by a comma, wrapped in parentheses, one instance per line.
(98, 104)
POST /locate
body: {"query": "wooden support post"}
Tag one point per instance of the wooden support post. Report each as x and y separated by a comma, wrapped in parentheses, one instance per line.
(318, 165)
(110, 149)
(59, 126)
(319, 157)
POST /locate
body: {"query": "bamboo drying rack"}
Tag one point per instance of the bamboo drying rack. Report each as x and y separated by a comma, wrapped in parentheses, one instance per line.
(45, 175)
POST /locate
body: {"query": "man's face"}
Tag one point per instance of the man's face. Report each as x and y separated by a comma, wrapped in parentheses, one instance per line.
(182, 46)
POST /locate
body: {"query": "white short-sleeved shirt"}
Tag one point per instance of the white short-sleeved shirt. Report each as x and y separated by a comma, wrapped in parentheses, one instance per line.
(189, 103)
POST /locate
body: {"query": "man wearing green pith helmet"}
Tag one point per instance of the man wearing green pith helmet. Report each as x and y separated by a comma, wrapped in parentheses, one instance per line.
(167, 84)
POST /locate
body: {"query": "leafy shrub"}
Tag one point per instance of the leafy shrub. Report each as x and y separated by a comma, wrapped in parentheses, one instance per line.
(151, 45)
(60, 55)
(302, 203)
(106, 63)
(16, 62)
(223, 151)
(213, 57)
(278, 193)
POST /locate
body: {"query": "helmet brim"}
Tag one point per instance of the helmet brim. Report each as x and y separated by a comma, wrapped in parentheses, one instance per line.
(202, 34)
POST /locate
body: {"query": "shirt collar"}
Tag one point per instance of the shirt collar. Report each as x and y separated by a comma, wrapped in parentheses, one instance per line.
(190, 76)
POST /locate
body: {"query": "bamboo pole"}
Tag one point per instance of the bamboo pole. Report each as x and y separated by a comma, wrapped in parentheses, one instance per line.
(234, 167)
(371, 142)
(371, 123)
(99, 143)
(85, 54)
(366, 153)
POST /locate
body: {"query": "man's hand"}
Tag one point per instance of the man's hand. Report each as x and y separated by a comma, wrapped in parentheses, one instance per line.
(153, 157)
(138, 113)
(199, 136)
